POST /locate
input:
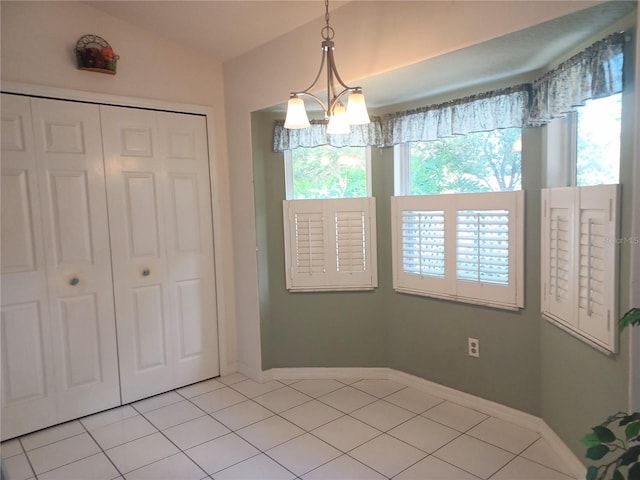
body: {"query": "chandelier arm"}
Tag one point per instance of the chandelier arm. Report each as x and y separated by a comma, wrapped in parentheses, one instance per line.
(331, 65)
(337, 98)
(325, 109)
(306, 90)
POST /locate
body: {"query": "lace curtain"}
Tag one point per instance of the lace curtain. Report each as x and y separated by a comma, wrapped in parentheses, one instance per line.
(593, 73)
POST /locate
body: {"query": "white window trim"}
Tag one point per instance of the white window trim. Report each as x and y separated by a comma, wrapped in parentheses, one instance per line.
(449, 287)
(288, 172)
(327, 275)
(402, 177)
(567, 313)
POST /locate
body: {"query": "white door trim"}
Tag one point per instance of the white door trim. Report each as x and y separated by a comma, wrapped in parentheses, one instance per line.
(225, 351)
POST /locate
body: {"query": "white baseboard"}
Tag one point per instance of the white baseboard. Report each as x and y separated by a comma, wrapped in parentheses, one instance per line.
(485, 406)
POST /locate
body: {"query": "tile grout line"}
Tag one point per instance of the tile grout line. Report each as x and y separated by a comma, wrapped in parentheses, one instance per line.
(311, 398)
(102, 450)
(24, 451)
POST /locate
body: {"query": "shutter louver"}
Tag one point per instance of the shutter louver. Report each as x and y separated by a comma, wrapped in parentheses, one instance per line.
(350, 242)
(423, 242)
(559, 255)
(591, 263)
(309, 243)
(482, 246)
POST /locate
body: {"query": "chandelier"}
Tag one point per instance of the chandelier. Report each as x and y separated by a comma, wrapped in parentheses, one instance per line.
(339, 118)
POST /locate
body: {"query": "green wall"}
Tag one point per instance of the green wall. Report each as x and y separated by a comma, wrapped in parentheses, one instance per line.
(428, 337)
(301, 329)
(525, 362)
(580, 386)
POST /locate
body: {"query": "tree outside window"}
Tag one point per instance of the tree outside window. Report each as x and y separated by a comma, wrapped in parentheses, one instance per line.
(476, 162)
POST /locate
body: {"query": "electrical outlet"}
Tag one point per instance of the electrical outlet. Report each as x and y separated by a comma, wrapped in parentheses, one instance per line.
(474, 347)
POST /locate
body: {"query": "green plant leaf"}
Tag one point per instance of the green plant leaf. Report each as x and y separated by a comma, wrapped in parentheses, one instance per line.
(617, 475)
(592, 473)
(632, 317)
(590, 440)
(629, 457)
(629, 418)
(632, 430)
(604, 434)
(634, 472)
(597, 452)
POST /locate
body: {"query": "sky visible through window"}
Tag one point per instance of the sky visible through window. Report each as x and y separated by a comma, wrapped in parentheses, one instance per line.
(598, 142)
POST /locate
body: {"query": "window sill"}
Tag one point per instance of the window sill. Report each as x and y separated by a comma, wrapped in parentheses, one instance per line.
(455, 298)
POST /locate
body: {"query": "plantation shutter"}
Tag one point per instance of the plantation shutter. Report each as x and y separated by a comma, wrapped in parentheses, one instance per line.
(558, 253)
(420, 247)
(579, 255)
(596, 278)
(488, 232)
(423, 242)
(330, 244)
(482, 246)
(466, 247)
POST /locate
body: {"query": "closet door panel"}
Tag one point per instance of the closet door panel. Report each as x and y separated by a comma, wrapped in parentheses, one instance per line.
(135, 196)
(190, 245)
(71, 180)
(160, 211)
(28, 382)
(149, 327)
(18, 253)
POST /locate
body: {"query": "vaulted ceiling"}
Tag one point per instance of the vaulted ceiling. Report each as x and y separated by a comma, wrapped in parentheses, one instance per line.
(226, 29)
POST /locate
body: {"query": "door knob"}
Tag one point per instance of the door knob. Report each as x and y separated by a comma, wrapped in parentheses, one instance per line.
(74, 281)
(146, 272)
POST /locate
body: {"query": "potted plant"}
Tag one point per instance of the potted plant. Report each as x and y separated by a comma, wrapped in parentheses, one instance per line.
(618, 435)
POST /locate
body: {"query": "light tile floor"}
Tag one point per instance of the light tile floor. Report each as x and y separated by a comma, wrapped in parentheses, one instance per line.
(232, 428)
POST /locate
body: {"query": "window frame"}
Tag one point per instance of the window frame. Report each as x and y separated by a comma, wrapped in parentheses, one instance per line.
(288, 172)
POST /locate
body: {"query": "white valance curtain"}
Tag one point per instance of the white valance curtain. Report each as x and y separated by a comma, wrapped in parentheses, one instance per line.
(487, 111)
(316, 135)
(593, 73)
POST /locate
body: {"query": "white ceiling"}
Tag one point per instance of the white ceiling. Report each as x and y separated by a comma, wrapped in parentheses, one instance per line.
(226, 29)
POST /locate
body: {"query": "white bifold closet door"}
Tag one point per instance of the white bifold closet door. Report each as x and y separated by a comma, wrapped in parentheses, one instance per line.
(159, 201)
(59, 353)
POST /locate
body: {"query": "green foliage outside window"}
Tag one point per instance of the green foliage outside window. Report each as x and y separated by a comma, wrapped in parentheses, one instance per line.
(476, 162)
(329, 172)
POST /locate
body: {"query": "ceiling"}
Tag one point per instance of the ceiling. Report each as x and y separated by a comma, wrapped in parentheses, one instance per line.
(226, 29)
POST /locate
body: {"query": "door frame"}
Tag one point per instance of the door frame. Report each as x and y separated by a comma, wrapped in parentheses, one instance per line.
(225, 323)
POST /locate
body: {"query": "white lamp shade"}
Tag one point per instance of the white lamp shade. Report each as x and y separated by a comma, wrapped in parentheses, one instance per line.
(296, 114)
(357, 110)
(338, 124)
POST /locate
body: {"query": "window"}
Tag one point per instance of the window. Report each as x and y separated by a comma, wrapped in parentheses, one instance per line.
(327, 172)
(598, 141)
(461, 246)
(329, 220)
(465, 247)
(579, 257)
(475, 162)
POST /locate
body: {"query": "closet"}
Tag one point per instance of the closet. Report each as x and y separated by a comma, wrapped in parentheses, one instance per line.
(108, 281)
